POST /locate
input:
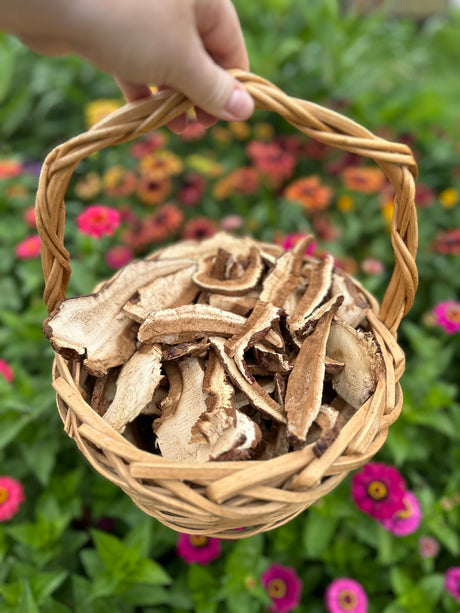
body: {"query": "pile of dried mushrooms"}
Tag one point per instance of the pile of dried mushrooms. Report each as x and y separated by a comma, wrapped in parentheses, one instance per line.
(224, 349)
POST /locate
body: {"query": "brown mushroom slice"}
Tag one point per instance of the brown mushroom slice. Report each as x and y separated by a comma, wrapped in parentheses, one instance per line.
(355, 306)
(174, 427)
(184, 350)
(274, 444)
(333, 367)
(320, 278)
(305, 383)
(136, 384)
(104, 391)
(241, 305)
(165, 292)
(254, 392)
(270, 360)
(256, 327)
(230, 434)
(285, 275)
(188, 322)
(329, 424)
(92, 328)
(232, 287)
(299, 330)
(363, 360)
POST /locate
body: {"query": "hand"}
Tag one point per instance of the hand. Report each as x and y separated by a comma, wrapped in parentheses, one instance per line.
(186, 45)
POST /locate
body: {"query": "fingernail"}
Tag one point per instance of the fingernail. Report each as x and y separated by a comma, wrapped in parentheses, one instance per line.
(240, 105)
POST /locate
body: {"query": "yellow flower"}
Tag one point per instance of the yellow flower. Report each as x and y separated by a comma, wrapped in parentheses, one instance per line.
(98, 109)
(263, 131)
(387, 211)
(449, 197)
(160, 164)
(88, 187)
(221, 134)
(204, 165)
(345, 204)
(240, 129)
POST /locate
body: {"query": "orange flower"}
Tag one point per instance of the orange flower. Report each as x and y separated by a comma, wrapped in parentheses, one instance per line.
(119, 182)
(243, 180)
(160, 164)
(153, 190)
(310, 193)
(9, 169)
(240, 129)
(88, 187)
(363, 179)
(169, 216)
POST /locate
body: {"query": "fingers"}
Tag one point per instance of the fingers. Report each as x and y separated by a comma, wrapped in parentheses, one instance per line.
(133, 91)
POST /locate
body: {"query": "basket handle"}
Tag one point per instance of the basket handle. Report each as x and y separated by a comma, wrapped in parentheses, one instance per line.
(137, 118)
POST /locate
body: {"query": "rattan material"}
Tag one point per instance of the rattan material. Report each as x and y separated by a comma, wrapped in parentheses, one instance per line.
(218, 498)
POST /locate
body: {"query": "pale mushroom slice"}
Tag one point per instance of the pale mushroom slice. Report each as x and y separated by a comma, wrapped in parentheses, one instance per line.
(188, 322)
(198, 249)
(231, 287)
(255, 328)
(136, 385)
(254, 392)
(174, 427)
(241, 305)
(355, 306)
(93, 329)
(305, 383)
(320, 278)
(230, 434)
(284, 277)
(165, 292)
(183, 350)
(363, 360)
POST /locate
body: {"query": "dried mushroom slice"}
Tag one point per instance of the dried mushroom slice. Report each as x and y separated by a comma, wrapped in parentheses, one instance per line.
(320, 277)
(136, 385)
(231, 287)
(363, 360)
(299, 330)
(355, 306)
(174, 427)
(230, 434)
(202, 248)
(271, 361)
(165, 292)
(241, 305)
(284, 277)
(255, 328)
(93, 329)
(188, 322)
(305, 384)
(254, 392)
(186, 350)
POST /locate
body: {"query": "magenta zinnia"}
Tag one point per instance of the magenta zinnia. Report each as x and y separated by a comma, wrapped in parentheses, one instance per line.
(197, 548)
(452, 582)
(28, 248)
(378, 490)
(283, 586)
(11, 496)
(97, 220)
(6, 371)
(407, 520)
(447, 316)
(345, 596)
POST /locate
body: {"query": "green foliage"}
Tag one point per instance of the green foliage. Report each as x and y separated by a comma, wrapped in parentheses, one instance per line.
(78, 544)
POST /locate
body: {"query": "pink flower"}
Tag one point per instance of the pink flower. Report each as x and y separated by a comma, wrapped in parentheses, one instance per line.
(406, 521)
(192, 189)
(283, 586)
(292, 239)
(11, 496)
(447, 242)
(372, 266)
(378, 490)
(118, 256)
(197, 548)
(428, 547)
(9, 169)
(452, 582)
(29, 217)
(447, 316)
(199, 228)
(231, 223)
(345, 596)
(6, 371)
(97, 220)
(28, 248)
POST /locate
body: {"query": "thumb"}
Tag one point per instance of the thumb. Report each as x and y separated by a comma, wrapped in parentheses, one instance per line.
(213, 89)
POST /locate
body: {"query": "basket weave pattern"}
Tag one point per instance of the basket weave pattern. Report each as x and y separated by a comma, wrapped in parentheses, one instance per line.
(217, 498)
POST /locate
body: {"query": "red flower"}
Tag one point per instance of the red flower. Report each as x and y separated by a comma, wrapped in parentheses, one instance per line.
(192, 189)
(155, 140)
(275, 164)
(9, 169)
(6, 371)
(97, 220)
(11, 496)
(29, 217)
(28, 248)
(118, 256)
(197, 548)
(199, 228)
(379, 490)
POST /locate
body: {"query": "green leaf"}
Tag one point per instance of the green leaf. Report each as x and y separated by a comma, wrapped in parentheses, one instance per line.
(400, 581)
(318, 532)
(203, 585)
(27, 603)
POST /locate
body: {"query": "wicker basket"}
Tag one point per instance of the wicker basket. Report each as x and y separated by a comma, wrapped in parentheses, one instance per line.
(219, 498)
